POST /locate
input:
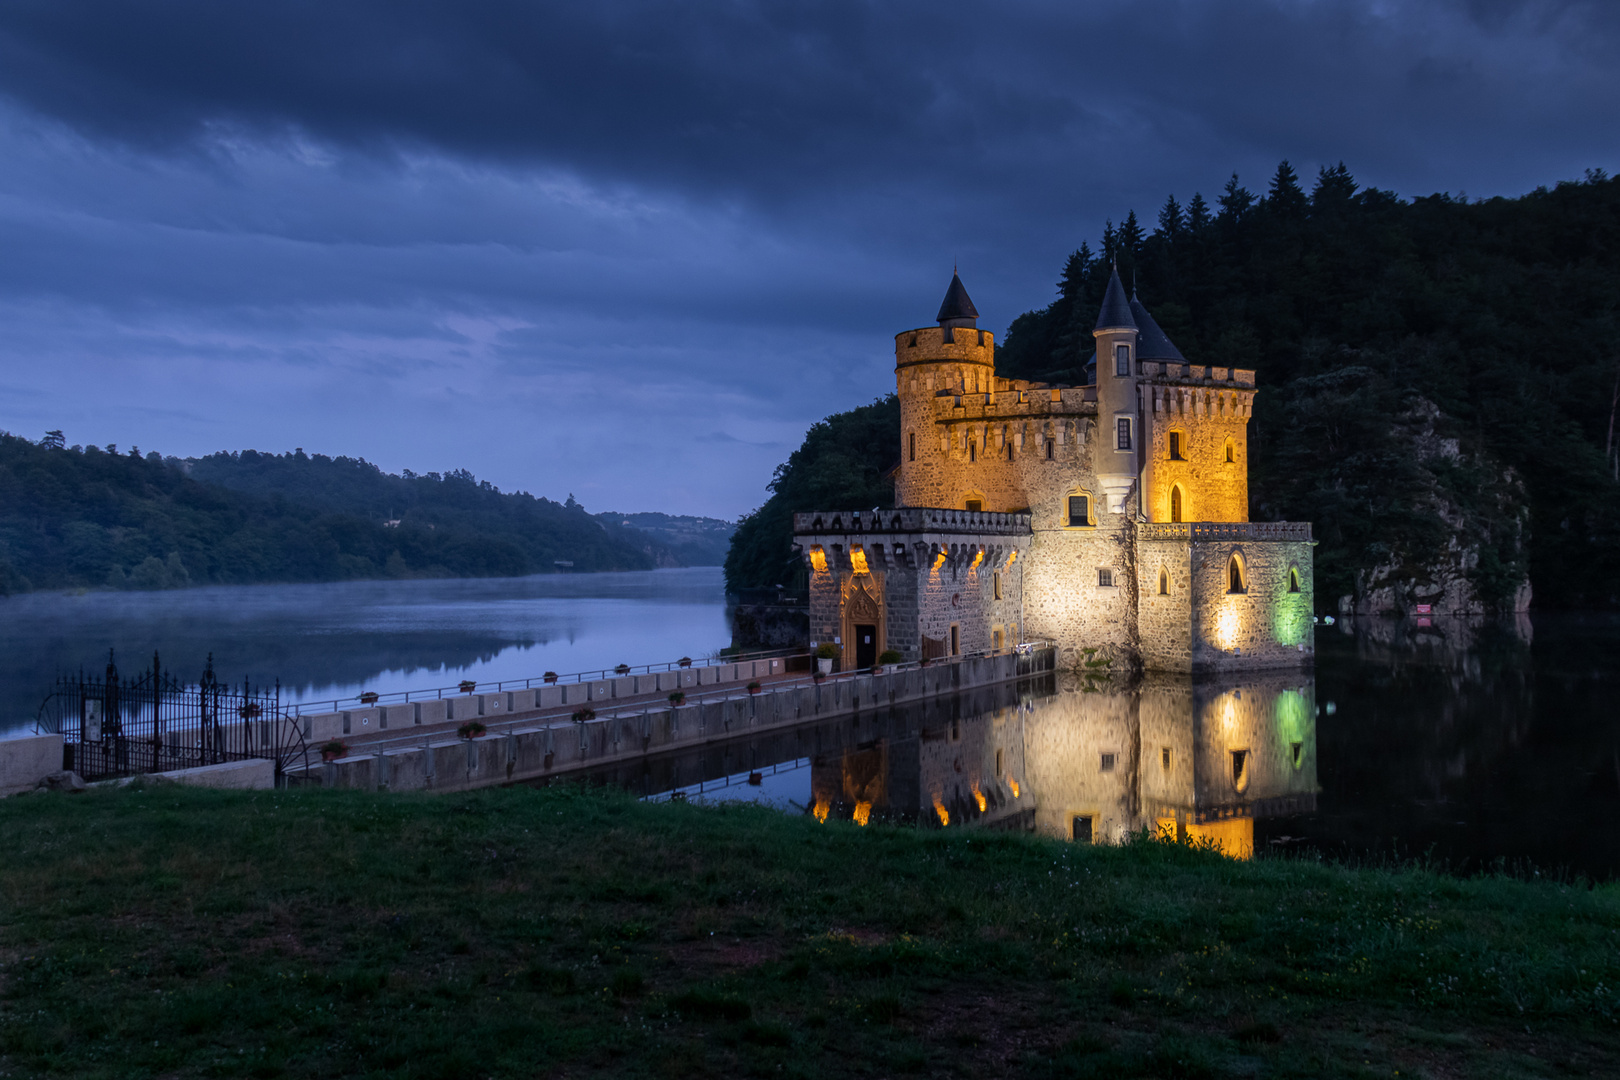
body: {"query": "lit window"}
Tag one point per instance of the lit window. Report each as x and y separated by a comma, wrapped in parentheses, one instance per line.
(1293, 579)
(1175, 503)
(1122, 359)
(1105, 577)
(1175, 446)
(1123, 433)
(1164, 583)
(1079, 510)
(1234, 575)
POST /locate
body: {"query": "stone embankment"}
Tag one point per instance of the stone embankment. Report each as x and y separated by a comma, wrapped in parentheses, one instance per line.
(522, 742)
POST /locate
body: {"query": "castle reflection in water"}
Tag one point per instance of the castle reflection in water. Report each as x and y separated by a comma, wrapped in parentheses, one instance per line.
(1069, 757)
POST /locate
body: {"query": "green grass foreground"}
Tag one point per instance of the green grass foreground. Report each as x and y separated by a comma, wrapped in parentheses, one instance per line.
(167, 932)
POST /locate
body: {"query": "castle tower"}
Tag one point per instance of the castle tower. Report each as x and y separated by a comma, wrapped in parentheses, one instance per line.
(1119, 417)
(954, 358)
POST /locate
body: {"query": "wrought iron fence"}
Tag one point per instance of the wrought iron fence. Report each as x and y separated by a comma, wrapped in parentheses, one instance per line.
(114, 726)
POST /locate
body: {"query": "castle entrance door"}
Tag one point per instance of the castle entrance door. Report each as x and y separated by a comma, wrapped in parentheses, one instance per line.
(866, 651)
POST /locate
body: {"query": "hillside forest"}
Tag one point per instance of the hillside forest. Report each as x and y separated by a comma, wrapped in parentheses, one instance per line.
(1439, 379)
(91, 517)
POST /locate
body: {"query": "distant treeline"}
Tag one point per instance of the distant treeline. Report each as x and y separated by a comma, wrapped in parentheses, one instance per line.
(93, 517)
(1432, 371)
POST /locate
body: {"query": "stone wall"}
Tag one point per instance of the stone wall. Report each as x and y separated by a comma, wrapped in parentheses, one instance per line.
(1265, 625)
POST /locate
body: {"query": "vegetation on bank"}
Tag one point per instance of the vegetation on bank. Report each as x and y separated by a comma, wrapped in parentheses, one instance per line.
(561, 931)
(1439, 377)
(88, 517)
(844, 464)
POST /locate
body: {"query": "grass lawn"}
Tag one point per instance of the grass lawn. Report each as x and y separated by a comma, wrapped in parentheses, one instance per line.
(165, 932)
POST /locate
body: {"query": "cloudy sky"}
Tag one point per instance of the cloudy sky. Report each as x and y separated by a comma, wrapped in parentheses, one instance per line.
(631, 250)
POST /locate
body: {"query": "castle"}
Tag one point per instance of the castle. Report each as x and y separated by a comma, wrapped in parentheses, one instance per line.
(1111, 518)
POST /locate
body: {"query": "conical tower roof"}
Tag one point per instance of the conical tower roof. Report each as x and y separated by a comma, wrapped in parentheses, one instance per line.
(1116, 307)
(1151, 342)
(957, 308)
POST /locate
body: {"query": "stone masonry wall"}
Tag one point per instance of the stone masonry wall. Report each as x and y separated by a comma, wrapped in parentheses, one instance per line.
(1270, 625)
(1165, 619)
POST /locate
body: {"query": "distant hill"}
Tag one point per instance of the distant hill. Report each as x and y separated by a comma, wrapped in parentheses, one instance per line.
(692, 541)
(88, 517)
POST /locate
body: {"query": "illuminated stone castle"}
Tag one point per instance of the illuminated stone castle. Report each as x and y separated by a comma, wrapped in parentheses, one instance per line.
(1111, 518)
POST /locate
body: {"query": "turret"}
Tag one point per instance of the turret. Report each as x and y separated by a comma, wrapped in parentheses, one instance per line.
(954, 356)
(1119, 419)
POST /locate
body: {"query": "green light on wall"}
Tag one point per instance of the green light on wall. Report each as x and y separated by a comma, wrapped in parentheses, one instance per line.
(1290, 619)
(1293, 712)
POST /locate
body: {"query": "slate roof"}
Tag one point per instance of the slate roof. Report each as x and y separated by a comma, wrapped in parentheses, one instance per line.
(1151, 342)
(1116, 308)
(957, 309)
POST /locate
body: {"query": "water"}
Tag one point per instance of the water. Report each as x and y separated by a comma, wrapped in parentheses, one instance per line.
(1471, 743)
(332, 641)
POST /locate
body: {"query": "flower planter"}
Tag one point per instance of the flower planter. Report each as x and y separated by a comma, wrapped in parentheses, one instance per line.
(467, 686)
(753, 688)
(472, 729)
(685, 661)
(622, 669)
(550, 677)
(677, 699)
(824, 666)
(333, 750)
(368, 698)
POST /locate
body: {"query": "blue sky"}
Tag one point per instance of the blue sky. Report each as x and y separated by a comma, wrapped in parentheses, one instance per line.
(630, 251)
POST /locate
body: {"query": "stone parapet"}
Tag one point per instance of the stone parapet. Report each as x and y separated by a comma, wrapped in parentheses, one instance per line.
(912, 519)
(1194, 374)
(1226, 530)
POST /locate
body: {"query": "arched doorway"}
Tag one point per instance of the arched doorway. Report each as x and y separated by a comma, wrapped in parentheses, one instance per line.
(863, 623)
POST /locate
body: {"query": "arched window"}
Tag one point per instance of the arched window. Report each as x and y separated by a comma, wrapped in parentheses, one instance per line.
(911, 448)
(1236, 579)
(1164, 582)
(1231, 452)
(1293, 579)
(1175, 503)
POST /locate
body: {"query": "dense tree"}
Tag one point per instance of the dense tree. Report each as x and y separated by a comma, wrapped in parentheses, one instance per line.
(845, 463)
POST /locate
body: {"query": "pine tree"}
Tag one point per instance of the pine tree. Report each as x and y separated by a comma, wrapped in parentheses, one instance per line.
(1072, 285)
(1334, 189)
(1197, 213)
(1236, 200)
(1171, 221)
(1130, 239)
(1285, 198)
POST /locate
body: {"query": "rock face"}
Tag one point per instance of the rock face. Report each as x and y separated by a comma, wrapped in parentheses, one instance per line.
(1478, 565)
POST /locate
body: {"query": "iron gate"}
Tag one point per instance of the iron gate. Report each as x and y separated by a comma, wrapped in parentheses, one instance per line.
(115, 726)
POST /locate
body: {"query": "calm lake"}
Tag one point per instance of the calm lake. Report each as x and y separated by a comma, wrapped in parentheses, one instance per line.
(1472, 743)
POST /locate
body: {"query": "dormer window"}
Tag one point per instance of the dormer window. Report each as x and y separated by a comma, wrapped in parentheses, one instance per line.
(1122, 359)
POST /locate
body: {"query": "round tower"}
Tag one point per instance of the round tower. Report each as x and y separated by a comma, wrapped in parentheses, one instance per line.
(949, 360)
(1119, 419)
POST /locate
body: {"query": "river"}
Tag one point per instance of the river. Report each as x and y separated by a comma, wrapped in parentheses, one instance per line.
(1470, 743)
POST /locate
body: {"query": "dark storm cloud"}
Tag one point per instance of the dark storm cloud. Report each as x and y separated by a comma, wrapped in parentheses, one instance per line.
(539, 240)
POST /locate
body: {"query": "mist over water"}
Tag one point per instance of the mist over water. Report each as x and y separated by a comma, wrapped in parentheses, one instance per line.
(336, 640)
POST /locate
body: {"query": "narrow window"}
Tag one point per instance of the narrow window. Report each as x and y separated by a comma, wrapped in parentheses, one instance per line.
(1164, 582)
(1122, 359)
(1234, 575)
(1082, 828)
(1105, 577)
(999, 773)
(1240, 764)
(1293, 579)
(1009, 451)
(1123, 437)
(995, 586)
(1230, 458)
(911, 449)
(1165, 758)
(1049, 445)
(1296, 752)
(1175, 446)
(1108, 762)
(1175, 503)
(974, 506)
(973, 452)
(956, 639)
(1079, 510)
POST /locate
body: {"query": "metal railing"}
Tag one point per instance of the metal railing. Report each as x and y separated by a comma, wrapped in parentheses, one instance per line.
(1031, 662)
(1225, 530)
(367, 699)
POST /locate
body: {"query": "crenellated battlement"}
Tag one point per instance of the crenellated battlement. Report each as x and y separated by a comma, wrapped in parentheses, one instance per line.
(1026, 401)
(1160, 371)
(945, 345)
